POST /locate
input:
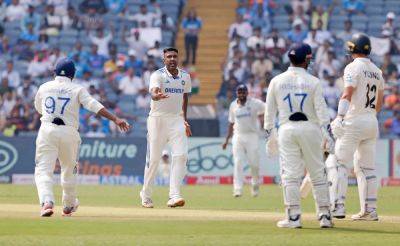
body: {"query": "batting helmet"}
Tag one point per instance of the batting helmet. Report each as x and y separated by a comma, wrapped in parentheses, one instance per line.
(299, 52)
(359, 44)
(65, 67)
(242, 87)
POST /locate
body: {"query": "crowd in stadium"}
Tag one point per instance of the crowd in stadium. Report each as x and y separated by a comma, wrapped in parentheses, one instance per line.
(259, 43)
(103, 37)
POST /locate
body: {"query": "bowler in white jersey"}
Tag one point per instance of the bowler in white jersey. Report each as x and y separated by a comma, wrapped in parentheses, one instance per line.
(296, 96)
(356, 128)
(245, 116)
(169, 87)
(58, 102)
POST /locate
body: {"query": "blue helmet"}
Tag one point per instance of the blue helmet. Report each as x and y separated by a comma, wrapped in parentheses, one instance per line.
(299, 52)
(65, 67)
(242, 87)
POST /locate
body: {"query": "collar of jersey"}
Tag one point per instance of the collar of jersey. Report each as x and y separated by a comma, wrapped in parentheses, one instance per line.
(62, 79)
(296, 69)
(362, 59)
(170, 75)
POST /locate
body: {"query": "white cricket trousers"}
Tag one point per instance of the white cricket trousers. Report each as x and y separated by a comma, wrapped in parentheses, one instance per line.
(299, 148)
(245, 150)
(160, 131)
(359, 141)
(54, 142)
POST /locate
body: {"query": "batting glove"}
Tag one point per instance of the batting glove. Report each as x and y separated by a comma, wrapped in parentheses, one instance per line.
(328, 139)
(338, 127)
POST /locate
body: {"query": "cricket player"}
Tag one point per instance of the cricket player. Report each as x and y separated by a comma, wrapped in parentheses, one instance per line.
(296, 96)
(167, 123)
(58, 102)
(245, 120)
(356, 128)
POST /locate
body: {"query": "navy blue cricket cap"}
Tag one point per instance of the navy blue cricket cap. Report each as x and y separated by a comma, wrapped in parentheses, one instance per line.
(241, 87)
(65, 67)
(299, 52)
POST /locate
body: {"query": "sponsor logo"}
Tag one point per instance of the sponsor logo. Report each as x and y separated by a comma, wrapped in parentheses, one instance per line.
(8, 156)
(121, 180)
(102, 149)
(201, 158)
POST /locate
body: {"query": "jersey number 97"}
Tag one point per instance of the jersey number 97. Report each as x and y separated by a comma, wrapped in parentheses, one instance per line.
(51, 104)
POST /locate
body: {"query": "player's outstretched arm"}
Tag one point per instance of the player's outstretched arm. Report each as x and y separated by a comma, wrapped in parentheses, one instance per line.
(122, 124)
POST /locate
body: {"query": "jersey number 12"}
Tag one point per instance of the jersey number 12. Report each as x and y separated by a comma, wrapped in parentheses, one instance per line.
(370, 100)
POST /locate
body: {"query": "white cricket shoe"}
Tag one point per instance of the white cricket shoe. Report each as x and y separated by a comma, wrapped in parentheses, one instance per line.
(255, 190)
(176, 202)
(47, 209)
(146, 201)
(325, 221)
(291, 222)
(339, 212)
(67, 211)
(237, 193)
(368, 216)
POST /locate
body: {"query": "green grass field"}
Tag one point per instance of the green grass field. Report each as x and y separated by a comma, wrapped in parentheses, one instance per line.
(113, 216)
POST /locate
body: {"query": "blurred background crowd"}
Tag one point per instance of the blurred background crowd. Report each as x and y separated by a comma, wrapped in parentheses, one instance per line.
(264, 30)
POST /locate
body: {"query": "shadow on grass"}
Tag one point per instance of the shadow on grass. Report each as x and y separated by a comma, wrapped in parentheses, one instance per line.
(353, 230)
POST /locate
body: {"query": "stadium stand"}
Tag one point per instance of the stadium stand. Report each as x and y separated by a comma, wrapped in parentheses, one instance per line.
(102, 37)
(254, 58)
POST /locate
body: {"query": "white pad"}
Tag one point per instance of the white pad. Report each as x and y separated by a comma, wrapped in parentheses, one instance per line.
(338, 180)
(178, 172)
(291, 196)
(321, 194)
(367, 188)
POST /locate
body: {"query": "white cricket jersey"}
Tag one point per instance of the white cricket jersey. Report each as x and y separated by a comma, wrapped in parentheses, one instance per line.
(295, 91)
(173, 87)
(245, 117)
(62, 98)
(367, 80)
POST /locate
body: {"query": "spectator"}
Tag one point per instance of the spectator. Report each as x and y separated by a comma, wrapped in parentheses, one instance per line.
(27, 90)
(12, 75)
(60, 6)
(134, 62)
(305, 4)
(88, 6)
(55, 56)
(260, 67)
(101, 41)
(52, 22)
(92, 20)
(353, 7)
(320, 14)
(9, 101)
(155, 7)
(393, 79)
(156, 51)
(322, 35)
(5, 87)
(40, 66)
(15, 11)
(31, 18)
(143, 99)
(115, 7)
(111, 64)
(95, 60)
(261, 20)
(3, 10)
(312, 40)
(393, 99)
(300, 15)
(393, 124)
(254, 88)
(77, 50)
(346, 34)
(297, 35)
(331, 65)
(144, 17)
(240, 27)
(29, 36)
(191, 27)
(228, 88)
(165, 23)
(72, 20)
(388, 65)
(322, 52)
(389, 27)
(43, 43)
(95, 129)
(332, 95)
(135, 43)
(130, 84)
(256, 39)
(5, 47)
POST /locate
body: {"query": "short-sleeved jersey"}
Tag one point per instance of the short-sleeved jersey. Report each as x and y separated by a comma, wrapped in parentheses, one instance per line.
(245, 117)
(295, 91)
(367, 80)
(174, 87)
(62, 98)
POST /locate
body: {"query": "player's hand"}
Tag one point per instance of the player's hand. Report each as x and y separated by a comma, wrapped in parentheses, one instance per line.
(159, 95)
(122, 124)
(268, 134)
(187, 128)
(338, 127)
(224, 145)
